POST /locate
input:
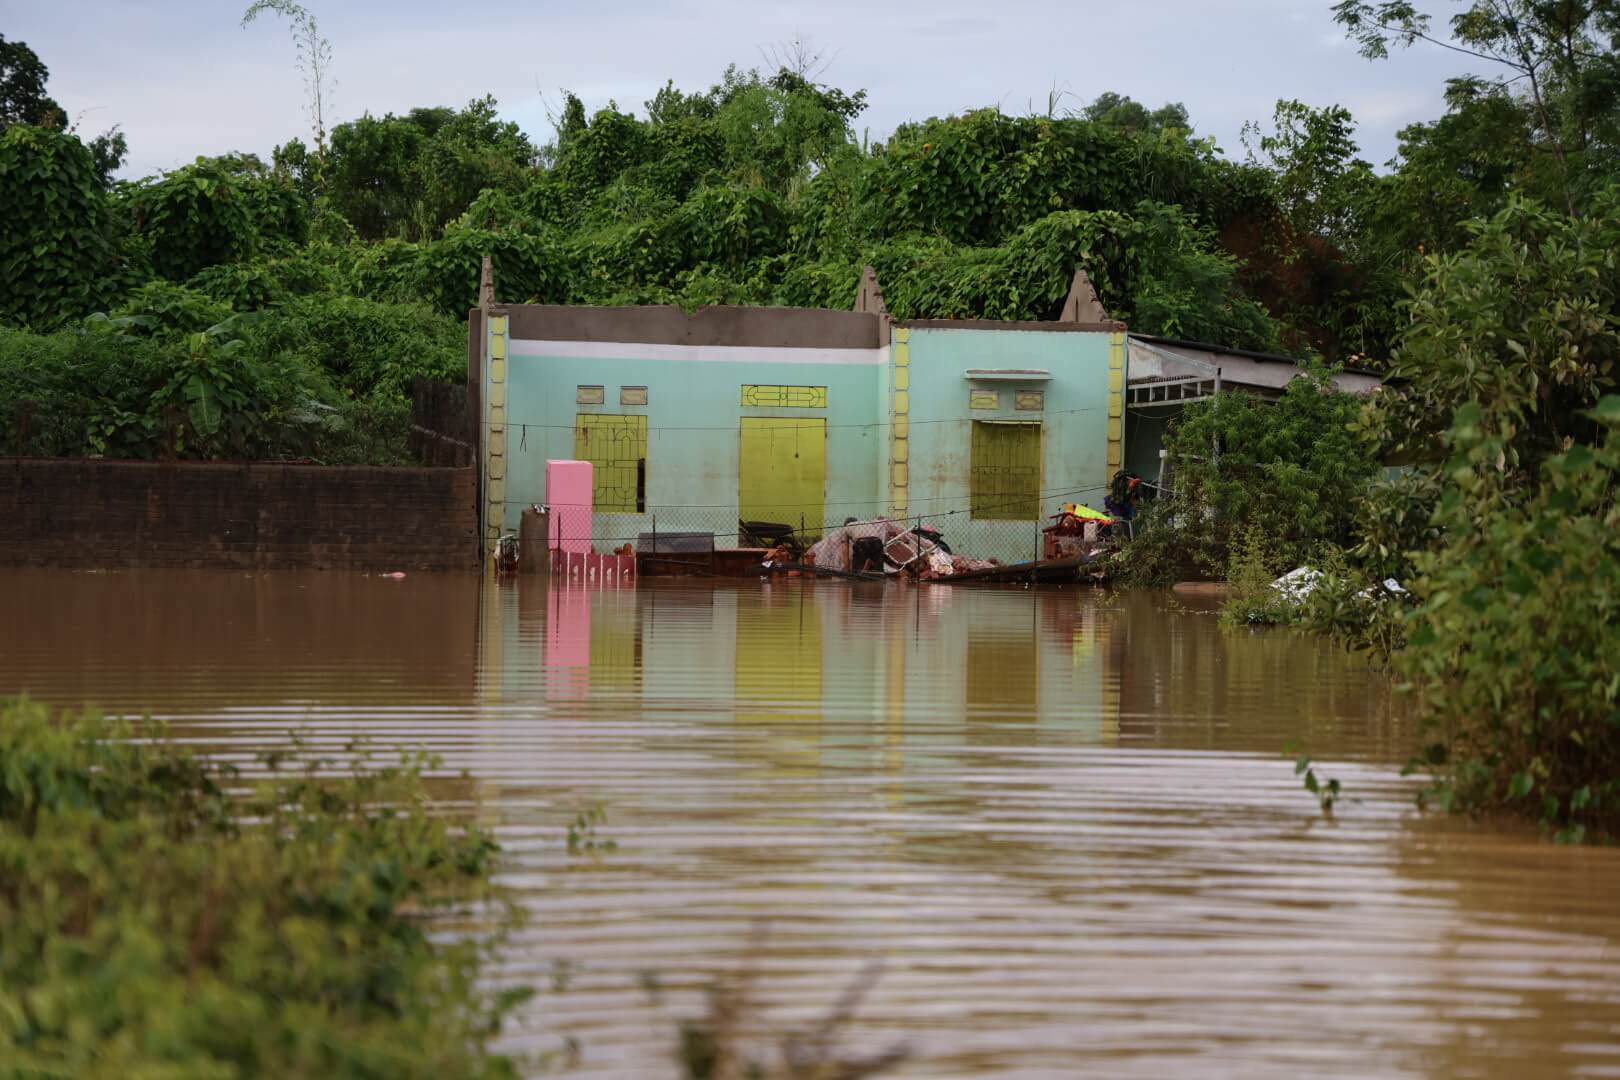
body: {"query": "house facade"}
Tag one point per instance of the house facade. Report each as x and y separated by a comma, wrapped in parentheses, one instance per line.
(694, 422)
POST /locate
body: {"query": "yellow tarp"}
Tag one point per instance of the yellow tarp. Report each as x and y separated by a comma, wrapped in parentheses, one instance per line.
(1086, 513)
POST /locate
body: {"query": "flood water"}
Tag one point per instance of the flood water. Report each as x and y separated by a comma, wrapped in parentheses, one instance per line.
(1061, 821)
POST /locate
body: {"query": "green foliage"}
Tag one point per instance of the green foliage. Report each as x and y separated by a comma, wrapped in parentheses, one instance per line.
(470, 152)
(1254, 599)
(1154, 557)
(1513, 653)
(1520, 322)
(268, 280)
(529, 268)
(1354, 606)
(164, 308)
(23, 100)
(365, 347)
(1121, 111)
(1327, 791)
(195, 217)
(1510, 648)
(1553, 63)
(1452, 170)
(581, 838)
(158, 925)
(1322, 187)
(111, 389)
(58, 256)
(1291, 470)
(408, 176)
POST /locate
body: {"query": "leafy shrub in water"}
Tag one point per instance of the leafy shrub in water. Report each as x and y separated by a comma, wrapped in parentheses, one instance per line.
(1254, 599)
(1291, 469)
(1154, 557)
(156, 925)
(1355, 608)
(1513, 652)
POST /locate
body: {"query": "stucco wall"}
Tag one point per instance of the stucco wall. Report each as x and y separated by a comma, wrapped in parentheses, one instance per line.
(693, 412)
(1074, 465)
(694, 366)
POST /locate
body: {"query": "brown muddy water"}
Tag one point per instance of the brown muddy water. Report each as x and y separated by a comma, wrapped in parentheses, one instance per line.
(1060, 820)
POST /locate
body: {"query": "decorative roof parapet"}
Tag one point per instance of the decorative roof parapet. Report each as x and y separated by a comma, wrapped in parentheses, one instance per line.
(1082, 304)
(869, 296)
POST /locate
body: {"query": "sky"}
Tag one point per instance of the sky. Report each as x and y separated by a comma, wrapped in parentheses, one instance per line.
(183, 78)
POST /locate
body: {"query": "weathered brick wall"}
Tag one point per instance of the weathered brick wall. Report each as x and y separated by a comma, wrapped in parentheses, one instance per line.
(106, 514)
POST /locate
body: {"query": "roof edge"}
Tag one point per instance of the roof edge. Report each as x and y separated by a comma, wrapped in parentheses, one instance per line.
(1248, 354)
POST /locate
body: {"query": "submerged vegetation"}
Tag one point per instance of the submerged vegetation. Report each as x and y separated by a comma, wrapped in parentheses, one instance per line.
(160, 920)
(1503, 531)
(1499, 409)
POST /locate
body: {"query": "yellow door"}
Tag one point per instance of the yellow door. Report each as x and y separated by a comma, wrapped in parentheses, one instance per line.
(616, 447)
(1004, 477)
(782, 476)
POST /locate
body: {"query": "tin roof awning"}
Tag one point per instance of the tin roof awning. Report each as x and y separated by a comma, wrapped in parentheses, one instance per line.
(1007, 375)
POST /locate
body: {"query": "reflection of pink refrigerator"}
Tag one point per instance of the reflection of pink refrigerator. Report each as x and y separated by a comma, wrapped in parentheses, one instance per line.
(568, 643)
(568, 493)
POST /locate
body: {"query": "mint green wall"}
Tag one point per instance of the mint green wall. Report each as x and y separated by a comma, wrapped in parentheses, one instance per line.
(1074, 426)
(692, 433)
(693, 412)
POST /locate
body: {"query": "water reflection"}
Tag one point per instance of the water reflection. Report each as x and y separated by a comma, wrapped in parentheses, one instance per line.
(1062, 817)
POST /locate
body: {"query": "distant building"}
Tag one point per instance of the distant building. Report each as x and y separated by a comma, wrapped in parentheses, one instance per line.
(1167, 375)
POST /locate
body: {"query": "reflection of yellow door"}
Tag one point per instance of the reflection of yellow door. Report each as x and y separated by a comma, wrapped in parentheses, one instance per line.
(778, 681)
(782, 475)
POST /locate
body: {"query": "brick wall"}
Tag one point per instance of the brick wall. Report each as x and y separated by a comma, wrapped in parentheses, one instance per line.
(106, 514)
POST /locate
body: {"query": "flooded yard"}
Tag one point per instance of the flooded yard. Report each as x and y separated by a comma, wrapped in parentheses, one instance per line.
(1061, 822)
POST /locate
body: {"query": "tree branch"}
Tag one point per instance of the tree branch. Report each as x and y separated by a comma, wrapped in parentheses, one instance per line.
(1418, 35)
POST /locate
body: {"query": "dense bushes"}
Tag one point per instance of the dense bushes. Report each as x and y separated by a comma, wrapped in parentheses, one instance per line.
(1291, 471)
(367, 256)
(127, 388)
(367, 348)
(1504, 530)
(59, 255)
(193, 218)
(158, 925)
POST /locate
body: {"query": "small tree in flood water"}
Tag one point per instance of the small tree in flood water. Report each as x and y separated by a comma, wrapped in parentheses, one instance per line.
(1512, 648)
(1514, 652)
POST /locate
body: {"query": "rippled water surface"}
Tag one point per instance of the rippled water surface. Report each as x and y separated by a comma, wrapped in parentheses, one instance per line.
(1060, 821)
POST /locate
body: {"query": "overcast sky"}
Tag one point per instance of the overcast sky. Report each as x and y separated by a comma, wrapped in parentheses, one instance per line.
(183, 78)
